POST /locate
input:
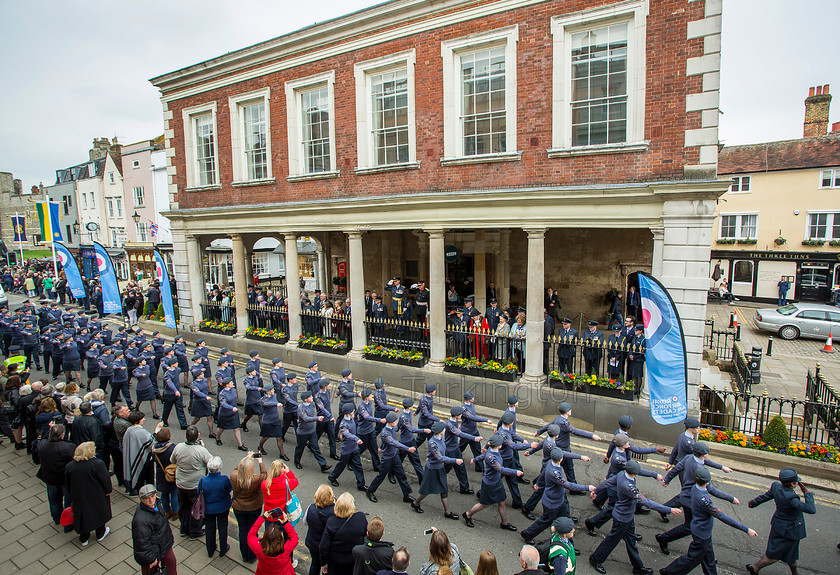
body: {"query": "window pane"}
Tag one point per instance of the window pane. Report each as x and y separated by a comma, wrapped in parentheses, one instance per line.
(745, 184)
(255, 140)
(483, 90)
(316, 130)
(826, 178)
(743, 272)
(389, 94)
(205, 155)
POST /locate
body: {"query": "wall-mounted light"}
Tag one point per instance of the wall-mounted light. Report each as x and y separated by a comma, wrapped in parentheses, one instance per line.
(795, 212)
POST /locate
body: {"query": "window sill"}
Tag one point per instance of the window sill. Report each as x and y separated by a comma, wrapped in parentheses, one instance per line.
(248, 183)
(600, 149)
(388, 168)
(318, 176)
(481, 159)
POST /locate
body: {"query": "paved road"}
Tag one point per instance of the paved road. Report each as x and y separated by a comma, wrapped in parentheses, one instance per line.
(404, 527)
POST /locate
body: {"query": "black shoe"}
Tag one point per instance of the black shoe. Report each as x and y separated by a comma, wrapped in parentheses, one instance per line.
(643, 571)
(325, 468)
(333, 482)
(417, 508)
(528, 514)
(244, 428)
(507, 526)
(573, 518)
(597, 566)
(516, 505)
(451, 515)
(642, 510)
(526, 539)
(165, 424)
(362, 488)
(212, 436)
(663, 545)
(408, 499)
(523, 480)
(577, 552)
(242, 448)
(664, 518)
(637, 536)
(218, 441)
(590, 529)
(467, 519)
(298, 465)
(284, 457)
(469, 491)
(392, 480)
(372, 496)
(155, 416)
(336, 457)
(223, 553)
(184, 427)
(263, 451)
(752, 571)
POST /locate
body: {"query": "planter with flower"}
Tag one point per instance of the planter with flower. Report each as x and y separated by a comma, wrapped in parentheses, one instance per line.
(592, 384)
(263, 334)
(215, 326)
(327, 344)
(472, 366)
(824, 453)
(411, 358)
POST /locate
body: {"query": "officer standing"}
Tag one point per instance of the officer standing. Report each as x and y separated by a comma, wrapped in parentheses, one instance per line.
(379, 312)
(425, 409)
(421, 302)
(469, 425)
(636, 356)
(492, 315)
(307, 417)
(459, 326)
(327, 425)
(400, 306)
(615, 353)
(391, 463)
(408, 435)
(593, 341)
(566, 348)
(350, 443)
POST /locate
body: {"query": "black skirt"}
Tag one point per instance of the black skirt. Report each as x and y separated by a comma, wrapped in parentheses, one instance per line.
(146, 393)
(492, 494)
(253, 409)
(228, 420)
(71, 366)
(274, 429)
(434, 481)
(201, 408)
(781, 549)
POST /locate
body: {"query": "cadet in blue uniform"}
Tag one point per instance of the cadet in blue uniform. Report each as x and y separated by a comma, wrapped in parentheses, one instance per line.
(171, 392)
(225, 371)
(365, 429)
(289, 394)
(229, 414)
(787, 527)
(513, 403)
(469, 424)
(636, 358)
(347, 390)
(202, 350)
(684, 446)
(408, 436)
(704, 512)
(180, 349)
(593, 341)
(561, 550)
(454, 434)
(563, 441)
(566, 349)
(350, 443)
(312, 378)
(391, 463)
(277, 375)
(253, 393)
(158, 345)
(145, 391)
(30, 345)
(270, 426)
(425, 410)
(434, 475)
(624, 526)
(119, 382)
(323, 400)
(307, 417)
(380, 403)
(511, 442)
(201, 404)
(492, 491)
(92, 355)
(547, 446)
(553, 487)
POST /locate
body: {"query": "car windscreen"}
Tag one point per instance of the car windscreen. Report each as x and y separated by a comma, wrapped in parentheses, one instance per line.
(787, 309)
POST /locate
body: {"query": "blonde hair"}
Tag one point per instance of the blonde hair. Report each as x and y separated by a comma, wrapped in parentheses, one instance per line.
(521, 316)
(345, 505)
(324, 496)
(244, 471)
(278, 468)
(85, 451)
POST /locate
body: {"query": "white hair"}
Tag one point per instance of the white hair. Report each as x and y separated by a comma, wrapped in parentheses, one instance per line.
(214, 465)
(530, 556)
(25, 389)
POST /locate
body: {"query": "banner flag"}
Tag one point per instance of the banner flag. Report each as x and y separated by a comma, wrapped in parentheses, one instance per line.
(667, 368)
(162, 276)
(111, 302)
(71, 270)
(19, 226)
(49, 219)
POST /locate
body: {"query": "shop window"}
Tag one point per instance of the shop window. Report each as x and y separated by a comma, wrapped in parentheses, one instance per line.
(743, 272)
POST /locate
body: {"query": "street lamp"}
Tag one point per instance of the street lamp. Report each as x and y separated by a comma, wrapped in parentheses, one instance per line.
(76, 228)
(136, 217)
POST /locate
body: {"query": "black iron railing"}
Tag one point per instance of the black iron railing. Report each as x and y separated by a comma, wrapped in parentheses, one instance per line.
(741, 372)
(216, 312)
(269, 318)
(327, 326)
(398, 334)
(586, 356)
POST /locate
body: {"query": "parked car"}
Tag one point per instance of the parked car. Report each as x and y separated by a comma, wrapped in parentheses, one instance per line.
(4, 299)
(809, 320)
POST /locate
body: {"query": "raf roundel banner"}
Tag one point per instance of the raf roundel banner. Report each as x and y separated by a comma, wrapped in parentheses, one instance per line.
(71, 270)
(665, 360)
(162, 276)
(111, 302)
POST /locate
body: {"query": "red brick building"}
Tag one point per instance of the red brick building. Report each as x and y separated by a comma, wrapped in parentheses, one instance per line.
(564, 144)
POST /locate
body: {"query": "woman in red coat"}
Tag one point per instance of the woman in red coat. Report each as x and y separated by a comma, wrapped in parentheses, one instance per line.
(274, 550)
(274, 487)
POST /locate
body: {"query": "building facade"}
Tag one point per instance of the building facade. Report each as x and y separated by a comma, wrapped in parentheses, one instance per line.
(781, 214)
(13, 201)
(563, 144)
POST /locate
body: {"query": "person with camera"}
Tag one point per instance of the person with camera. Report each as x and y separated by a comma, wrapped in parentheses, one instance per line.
(191, 459)
(151, 536)
(274, 550)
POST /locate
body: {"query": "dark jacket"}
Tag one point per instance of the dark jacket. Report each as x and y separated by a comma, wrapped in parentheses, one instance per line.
(788, 521)
(372, 556)
(151, 534)
(54, 455)
(89, 485)
(340, 536)
(316, 519)
(88, 428)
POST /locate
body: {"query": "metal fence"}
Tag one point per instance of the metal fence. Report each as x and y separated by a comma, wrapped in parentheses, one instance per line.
(602, 358)
(217, 312)
(484, 345)
(268, 317)
(823, 406)
(337, 326)
(741, 372)
(398, 334)
(276, 286)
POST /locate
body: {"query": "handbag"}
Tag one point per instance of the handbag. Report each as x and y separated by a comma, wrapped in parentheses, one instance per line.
(168, 471)
(198, 510)
(464, 569)
(66, 519)
(294, 511)
(159, 569)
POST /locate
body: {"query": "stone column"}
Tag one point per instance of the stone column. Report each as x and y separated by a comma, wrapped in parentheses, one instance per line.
(423, 263)
(658, 243)
(320, 264)
(249, 267)
(480, 271)
(240, 284)
(534, 304)
(437, 303)
(386, 265)
(357, 291)
(193, 295)
(293, 286)
(503, 282)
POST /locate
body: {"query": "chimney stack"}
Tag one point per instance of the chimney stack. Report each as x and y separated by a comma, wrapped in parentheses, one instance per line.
(816, 112)
(835, 128)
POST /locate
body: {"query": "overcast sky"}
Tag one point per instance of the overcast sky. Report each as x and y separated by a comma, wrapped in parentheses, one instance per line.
(78, 69)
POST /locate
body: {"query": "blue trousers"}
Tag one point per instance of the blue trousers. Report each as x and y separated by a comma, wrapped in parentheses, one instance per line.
(546, 519)
(414, 459)
(625, 530)
(369, 444)
(355, 463)
(215, 521)
(118, 387)
(329, 428)
(700, 552)
(394, 467)
(460, 470)
(169, 498)
(605, 514)
(168, 402)
(513, 485)
(59, 499)
(310, 441)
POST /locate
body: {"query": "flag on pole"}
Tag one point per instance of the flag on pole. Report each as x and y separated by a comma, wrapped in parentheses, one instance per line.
(19, 226)
(111, 302)
(71, 270)
(49, 219)
(665, 360)
(166, 295)
(154, 229)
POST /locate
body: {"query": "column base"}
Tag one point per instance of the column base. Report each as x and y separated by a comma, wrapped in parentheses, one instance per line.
(435, 366)
(355, 353)
(532, 379)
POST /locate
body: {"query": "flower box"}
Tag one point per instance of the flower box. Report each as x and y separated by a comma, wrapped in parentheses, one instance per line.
(217, 330)
(279, 341)
(591, 385)
(396, 360)
(328, 345)
(483, 373)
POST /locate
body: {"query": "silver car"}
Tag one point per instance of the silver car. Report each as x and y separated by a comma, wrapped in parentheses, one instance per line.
(811, 320)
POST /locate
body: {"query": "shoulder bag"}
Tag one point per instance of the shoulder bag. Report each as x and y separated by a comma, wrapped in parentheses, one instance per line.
(199, 507)
(293, 508)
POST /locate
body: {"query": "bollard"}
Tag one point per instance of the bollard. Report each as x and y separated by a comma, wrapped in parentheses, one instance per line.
(731, 320)
(769, 346)
(738, 333)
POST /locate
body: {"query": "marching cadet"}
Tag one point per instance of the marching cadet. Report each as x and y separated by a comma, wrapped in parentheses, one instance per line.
(408, 436)
(425, 409)
(365, 429)
(434, 476)
(171, 393)
(553, 487)
(202, 350)
(391, 464)
(624, 526)
(454, 434)
(683, 447)
(615, 354)
(700, 550)
(145, 390)
(197, 366)
(513, 403)
(347, 390)
(289, 394)
(492, 491)
(147, 354)
(636, 357)
(158, 345)
(119, 383)
(200, 405)
(92, 355)
(307, 418)
(46, 345)
(253, 393)
(277, 375)
(255, 361)
(180, 349)
(685, 470)
(511, 442)
(322, 402)
(270, 426)
(787, 527)
(380, 402)
(224, 371)
(593, 340)
(139, 335)
(469, 425)
(566, 349)
(547, 446)
(225, 353)
(120, 340)
(421, 301)
(56, 339)
(349, 448)
(71, 362)
(561, 551)
(563, 441)
(229, 414)
(313, 378)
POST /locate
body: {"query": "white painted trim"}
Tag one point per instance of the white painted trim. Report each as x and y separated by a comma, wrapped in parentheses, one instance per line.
(834, 172)
(388, 168)
(737, 225)
(829, 223)
(237, 135)
(740, 184)
(294, 88)
(363, 72)
(634, 12)
(450, 51)
(188, 124)
(481, 159)
(624, 148)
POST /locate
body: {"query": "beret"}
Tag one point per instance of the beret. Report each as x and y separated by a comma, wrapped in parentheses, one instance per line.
(306, 395)
(222, 360)
(199, 341)
(495, 441)
(276, 360)
(565, 407)
(407, 402)
(507, 418)
(196, 357)
(563, 525)
(553, 430)
(345, 372)
(788, 475)
(379, 383)
(437, 427)
(311, 363)
(431, 387)
(391, 417)
(468, 395)
(513, 399)
(366, 393)
(224, 350)
(153, 333)
(633, 467)
(290, 376)
(226, 380)
(347, 408)
(701, 448)
(703, 475)
(691, 422)
(621, 440)
(556, 454)
(253, 353)
(625, 421)
(456, 411)
(324, 382)
(250, 368)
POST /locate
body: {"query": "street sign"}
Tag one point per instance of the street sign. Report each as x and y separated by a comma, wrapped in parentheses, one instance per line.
(450, 253)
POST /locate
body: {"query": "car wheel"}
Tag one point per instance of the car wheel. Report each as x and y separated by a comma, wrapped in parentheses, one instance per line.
(789, 332)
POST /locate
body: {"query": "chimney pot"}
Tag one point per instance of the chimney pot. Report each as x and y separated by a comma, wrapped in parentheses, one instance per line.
(825, 89)
(819, 90)
(816, 112)
(811, 91)
(835, 128)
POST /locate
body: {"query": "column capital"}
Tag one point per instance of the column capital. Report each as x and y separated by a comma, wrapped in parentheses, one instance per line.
(290, 236)
(235, 237)
(658, 232)
(353, 233)
(535, 233)
(436, 233)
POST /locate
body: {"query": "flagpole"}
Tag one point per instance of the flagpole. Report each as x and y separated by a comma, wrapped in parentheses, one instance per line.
(20, 243)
